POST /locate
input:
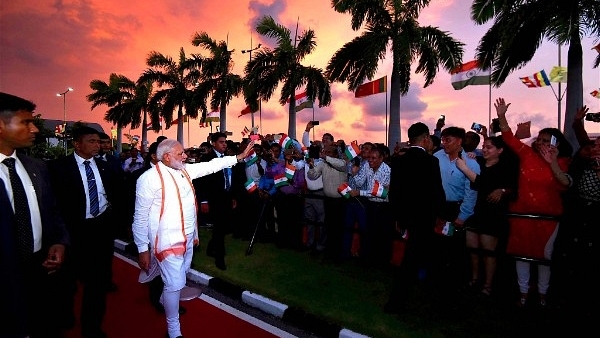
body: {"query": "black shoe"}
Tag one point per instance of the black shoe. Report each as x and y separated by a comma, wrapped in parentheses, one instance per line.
(220, 264)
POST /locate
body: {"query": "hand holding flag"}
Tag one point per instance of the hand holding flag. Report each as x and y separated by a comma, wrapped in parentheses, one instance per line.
(344, 190)
(379, 190)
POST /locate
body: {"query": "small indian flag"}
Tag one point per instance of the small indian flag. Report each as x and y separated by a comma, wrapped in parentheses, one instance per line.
(281, 180)
(251, 186)
(290, 169)
(285, 141)
(305, 152)
(344, 190)
(379, 190)
(352, 150)
(251, 159)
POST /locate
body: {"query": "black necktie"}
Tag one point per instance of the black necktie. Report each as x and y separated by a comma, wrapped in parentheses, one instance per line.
(226, 175)
(93, 191)
(22, 215)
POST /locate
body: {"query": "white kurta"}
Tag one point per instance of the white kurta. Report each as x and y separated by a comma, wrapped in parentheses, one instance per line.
(165, 218)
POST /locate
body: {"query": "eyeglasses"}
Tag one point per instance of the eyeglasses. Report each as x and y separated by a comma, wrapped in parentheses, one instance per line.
(178, 154)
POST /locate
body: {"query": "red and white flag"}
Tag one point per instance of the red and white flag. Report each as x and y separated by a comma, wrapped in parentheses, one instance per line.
(251, 186)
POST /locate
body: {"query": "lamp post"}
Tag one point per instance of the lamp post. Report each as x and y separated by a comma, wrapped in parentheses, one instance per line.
(249, 51)
(64, 95)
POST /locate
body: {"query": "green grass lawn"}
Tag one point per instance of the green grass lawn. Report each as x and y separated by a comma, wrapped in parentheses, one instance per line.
(352, 296)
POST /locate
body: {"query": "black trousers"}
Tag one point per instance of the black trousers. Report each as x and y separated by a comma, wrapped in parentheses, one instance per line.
(89, 261)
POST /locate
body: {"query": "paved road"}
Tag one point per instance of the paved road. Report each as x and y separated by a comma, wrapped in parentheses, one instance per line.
(129, 313)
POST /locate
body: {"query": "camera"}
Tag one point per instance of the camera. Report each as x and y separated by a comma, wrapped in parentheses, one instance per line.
(314, 123)
(476, 127)
(594, 117)
(443, 117)
(356, 161)
(553, 141)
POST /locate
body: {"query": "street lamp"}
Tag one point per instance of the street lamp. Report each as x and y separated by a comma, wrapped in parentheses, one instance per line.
(249, 51)
(64, 95)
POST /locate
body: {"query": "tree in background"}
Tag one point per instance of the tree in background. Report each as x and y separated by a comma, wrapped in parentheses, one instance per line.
(282, 64)
(393, 25)
(216, 79)
(519, 28)
(118, 89)
(176, 81)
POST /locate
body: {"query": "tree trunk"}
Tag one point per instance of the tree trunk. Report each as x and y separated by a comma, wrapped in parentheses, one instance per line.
(180, 126)
(574, 88)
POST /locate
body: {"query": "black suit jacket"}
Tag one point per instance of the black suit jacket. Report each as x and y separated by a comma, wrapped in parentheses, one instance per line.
(211, 188)
(114, 163)
(416, 193)
(12, 306)
(70, 191)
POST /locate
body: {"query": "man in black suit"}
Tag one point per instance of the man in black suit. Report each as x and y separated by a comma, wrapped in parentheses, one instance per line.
(415, 183)
(106, 155)
(32, 243)
(216, 194)
(88, 194)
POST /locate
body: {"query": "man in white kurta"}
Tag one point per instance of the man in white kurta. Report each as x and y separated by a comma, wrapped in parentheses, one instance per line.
(165, 226)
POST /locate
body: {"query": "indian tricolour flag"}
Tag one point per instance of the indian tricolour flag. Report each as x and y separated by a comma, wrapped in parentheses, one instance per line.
(251, 159)
(302, 102)
(290, 169)
(281, 180)
(285, 141)
(469, 74)
(344, 190)
(352, 150)
(250, 185)
(305, 152)
(379, 190)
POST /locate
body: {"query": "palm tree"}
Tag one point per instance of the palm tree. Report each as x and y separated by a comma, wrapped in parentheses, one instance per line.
(118, 89)
(392, 24)
(176, 82)
(282, 64)
(518, 30)
(216, 80)
(135, 109)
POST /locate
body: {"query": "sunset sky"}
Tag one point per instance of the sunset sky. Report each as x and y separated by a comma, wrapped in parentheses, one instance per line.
(47, 46)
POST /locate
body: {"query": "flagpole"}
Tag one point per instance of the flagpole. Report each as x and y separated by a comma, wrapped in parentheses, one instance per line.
(313, 129)
(386, 120)
(260, 115)
(490, 103)
(559, 98)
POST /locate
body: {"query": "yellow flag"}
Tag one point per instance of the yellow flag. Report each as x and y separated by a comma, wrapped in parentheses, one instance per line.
(558, 74)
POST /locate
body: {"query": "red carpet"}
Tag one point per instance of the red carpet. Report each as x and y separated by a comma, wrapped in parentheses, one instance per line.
(129, 313)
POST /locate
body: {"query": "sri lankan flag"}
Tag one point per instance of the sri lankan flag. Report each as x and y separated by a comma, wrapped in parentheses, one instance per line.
(373, 87)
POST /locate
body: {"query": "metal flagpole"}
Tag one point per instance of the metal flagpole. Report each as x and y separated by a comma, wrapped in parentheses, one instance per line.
(313, 129)
(559, 98)
(386, 119)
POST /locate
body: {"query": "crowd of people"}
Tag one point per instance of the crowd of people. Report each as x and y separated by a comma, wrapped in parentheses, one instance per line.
(455, 206)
